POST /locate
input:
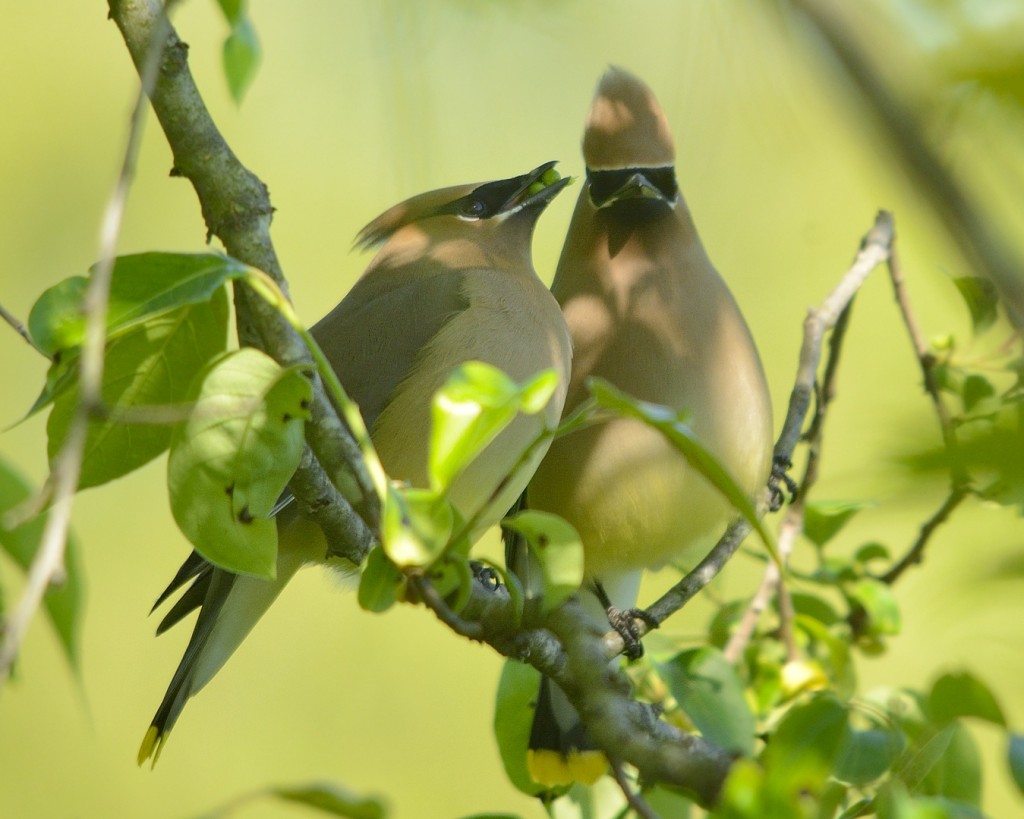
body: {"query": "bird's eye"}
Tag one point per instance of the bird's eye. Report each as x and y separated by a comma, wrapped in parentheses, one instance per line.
(473, 207)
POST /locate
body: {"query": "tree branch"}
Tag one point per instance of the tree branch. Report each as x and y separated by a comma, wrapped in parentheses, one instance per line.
(236, 208)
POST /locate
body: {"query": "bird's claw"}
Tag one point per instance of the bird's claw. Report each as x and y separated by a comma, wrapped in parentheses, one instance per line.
(780, 474)
(627, 623)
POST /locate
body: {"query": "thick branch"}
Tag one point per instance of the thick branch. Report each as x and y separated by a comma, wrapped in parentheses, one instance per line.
(631, 731)
(572, 654)
(236, 208)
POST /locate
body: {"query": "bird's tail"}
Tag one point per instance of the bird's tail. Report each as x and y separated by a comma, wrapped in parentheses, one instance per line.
(560, 751)
(229, 606)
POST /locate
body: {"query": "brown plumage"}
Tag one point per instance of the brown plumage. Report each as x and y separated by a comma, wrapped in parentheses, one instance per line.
(649, 313)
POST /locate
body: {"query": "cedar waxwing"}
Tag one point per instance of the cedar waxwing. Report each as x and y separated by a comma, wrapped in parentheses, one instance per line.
(647, 312)
(452, 282)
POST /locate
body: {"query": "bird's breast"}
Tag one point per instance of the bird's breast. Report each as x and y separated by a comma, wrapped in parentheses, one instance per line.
(513, 323)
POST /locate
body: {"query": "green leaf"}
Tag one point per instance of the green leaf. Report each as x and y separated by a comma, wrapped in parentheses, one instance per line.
(379, 582)
(241, 57)
(961, 694)
(981, 298)
(919, 760)
(867, 755)
(476, 403)
(723, 622)
(831, 650)
(673, 426)
(743, 794)
(333, 800)
(493, 816)
(957, 775)
(824, 519)
(666, 802)
(61, 376)
(416, 526)
(153, 365)
(800, 754)
(1015, 758)
(233, 457)
(142, 286)
(976, 389)
(514, 705)
(233, 10)
(880, 605)
(894, 802)
(557, 548)
(56, 321)
(814, 607)
(709, 690)
(452, 578)
(871, 551)
(62, 602)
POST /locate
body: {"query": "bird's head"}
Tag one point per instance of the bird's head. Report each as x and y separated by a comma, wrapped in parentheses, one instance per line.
(627, 144)
(519, 200)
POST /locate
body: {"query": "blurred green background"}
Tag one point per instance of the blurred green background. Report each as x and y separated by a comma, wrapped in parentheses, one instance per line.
(361, 103)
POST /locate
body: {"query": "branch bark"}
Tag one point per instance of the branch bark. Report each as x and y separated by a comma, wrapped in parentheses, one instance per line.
(236, 208)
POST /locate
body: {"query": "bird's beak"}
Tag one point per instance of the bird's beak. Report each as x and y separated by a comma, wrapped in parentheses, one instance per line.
(608, 187)
(637, 186)
(534, 190)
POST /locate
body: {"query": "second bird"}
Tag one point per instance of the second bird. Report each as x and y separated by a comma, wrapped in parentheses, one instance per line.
(649, 313)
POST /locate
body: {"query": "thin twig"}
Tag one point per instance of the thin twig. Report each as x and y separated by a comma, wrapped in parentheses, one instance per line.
(701, 574)
(48, 564)
(926, 361)
(915, 554)
(773, 582)
(433, 601)
(959, 478)
(20, 328)
(633, 797)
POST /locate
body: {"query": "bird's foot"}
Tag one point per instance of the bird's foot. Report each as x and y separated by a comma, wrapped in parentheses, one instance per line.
(780, 474)
(485, 575)
(627, 622)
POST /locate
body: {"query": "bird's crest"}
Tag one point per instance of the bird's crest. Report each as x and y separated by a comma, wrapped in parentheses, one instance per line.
(626, 127)
(404, 213)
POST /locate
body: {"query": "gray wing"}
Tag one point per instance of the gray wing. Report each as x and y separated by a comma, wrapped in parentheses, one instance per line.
(375, 335)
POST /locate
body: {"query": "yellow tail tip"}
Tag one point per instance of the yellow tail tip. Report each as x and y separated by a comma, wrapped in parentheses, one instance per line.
(151, 745)
(553, 768)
